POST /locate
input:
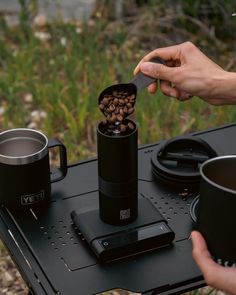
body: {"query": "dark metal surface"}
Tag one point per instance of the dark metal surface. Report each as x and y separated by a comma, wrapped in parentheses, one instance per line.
(45, 245)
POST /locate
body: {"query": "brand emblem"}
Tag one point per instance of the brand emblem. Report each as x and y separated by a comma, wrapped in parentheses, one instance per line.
(32, 198)
(124, 214)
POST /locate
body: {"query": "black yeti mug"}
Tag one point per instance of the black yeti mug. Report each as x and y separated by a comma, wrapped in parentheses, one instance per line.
(25, 174)
(118, 176)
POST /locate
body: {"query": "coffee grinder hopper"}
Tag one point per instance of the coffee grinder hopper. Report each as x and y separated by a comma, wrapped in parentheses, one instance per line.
(129, 89)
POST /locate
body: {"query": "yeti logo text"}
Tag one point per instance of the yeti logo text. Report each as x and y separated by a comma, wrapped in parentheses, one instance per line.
(32, 198)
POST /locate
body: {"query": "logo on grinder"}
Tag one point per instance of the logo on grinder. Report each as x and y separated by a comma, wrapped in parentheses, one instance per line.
(32, 198)
(125, 214)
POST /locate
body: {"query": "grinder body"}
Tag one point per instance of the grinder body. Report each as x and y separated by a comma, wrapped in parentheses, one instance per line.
(118, 175)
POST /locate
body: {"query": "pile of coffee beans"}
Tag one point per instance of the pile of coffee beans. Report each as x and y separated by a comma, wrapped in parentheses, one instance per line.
(116, 107)
(120, 128)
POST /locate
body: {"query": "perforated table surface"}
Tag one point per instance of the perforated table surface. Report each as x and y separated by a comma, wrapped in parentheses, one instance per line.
(54, 259)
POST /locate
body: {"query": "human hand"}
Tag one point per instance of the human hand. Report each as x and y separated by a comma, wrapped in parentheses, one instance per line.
(215, 275)
(188, 72)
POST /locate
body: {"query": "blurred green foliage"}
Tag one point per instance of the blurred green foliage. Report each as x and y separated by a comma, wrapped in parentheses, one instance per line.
(52, 73)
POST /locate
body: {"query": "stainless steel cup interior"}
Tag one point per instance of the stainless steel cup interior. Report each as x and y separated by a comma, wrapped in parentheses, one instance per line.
(22, 146)
(220, 172)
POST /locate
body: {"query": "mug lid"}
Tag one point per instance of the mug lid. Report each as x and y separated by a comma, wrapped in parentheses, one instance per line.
(178, 160)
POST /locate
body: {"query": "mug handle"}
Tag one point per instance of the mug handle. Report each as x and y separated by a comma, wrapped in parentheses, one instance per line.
(58, 173)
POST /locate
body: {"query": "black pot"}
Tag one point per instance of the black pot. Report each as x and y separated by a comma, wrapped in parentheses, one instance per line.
(217, 204)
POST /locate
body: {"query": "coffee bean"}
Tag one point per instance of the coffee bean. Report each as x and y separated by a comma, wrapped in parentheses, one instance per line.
(130, 126)
(131, 99)
(117, 110)
(116, 101)
(130, 111)
(120, 118)
(125, 110)
(105, 101)
(121, 102)
(101, 106)
(121, 112)
(113, 118)
(112, 107)
(122, 128)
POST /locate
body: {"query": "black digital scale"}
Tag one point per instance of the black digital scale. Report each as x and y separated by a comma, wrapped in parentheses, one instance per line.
(108, 242)
(57, 257)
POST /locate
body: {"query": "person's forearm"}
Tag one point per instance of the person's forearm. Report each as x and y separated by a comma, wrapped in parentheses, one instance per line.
(221, 87)
(224, 87)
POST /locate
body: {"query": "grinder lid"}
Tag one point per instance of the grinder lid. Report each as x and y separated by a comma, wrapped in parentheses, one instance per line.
(177, 161)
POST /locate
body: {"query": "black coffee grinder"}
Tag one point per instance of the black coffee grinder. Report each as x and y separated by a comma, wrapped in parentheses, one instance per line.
(123, 224)
(117, 172)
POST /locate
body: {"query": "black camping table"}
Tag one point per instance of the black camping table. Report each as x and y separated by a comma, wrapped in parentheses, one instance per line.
(53, 258)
